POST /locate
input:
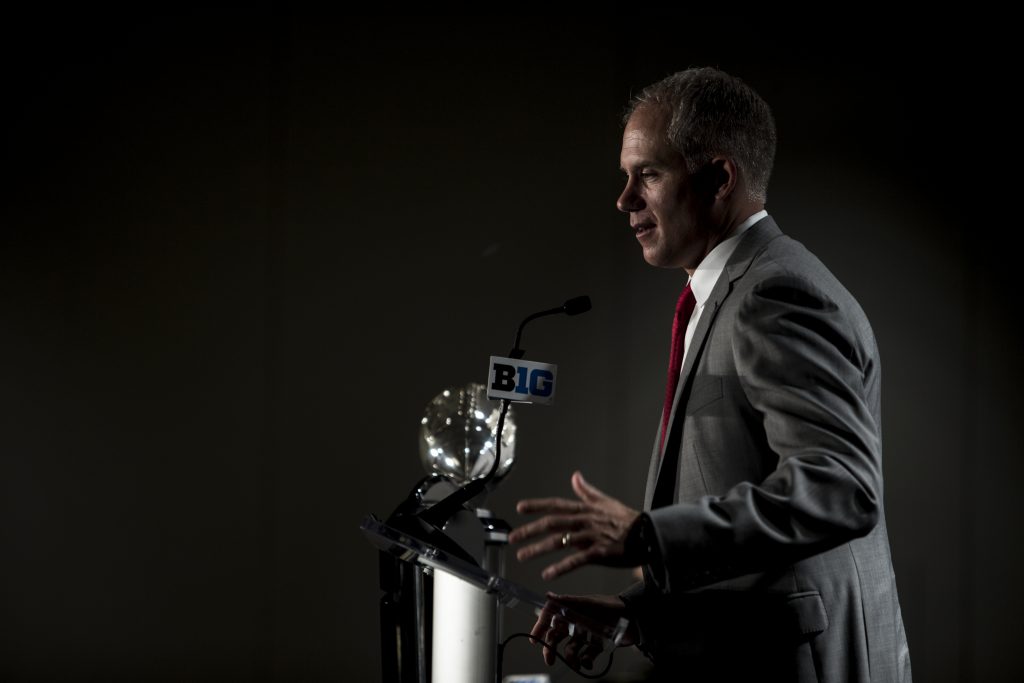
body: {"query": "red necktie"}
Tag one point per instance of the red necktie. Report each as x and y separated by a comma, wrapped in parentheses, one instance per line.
(684, 309)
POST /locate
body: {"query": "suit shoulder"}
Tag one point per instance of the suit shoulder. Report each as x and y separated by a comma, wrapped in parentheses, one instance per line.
(786, 262)
(789, 274)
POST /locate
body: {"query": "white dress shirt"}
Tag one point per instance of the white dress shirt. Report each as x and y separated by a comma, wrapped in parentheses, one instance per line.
(707, 273)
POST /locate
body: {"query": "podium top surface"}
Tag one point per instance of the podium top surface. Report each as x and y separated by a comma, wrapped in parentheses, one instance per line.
(409, 548)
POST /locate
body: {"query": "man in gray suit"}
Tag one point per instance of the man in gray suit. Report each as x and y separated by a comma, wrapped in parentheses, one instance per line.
(763, 539)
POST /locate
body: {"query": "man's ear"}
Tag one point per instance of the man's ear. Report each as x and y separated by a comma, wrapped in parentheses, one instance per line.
(724, 176)
(717, 179)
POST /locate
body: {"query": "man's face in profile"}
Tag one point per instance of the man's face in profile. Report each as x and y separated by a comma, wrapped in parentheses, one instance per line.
(660, 196)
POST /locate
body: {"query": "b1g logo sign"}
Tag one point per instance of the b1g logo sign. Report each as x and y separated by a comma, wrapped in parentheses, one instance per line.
(521, 380)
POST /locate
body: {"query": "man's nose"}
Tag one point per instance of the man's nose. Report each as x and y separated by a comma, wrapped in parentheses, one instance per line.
(629, 200)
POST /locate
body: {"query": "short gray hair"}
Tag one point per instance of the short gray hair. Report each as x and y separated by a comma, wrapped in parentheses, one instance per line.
(713, 113)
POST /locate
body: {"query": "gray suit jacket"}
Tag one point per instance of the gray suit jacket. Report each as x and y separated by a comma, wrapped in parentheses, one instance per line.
(771, 553)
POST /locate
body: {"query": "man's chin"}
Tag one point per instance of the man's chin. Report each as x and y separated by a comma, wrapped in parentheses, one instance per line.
(651, 256)
(655, 258)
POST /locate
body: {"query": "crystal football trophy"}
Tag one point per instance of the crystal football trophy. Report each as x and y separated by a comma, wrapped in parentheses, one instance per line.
(457, 435)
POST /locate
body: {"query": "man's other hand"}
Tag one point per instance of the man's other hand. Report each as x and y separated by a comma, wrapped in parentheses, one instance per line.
(589, 612)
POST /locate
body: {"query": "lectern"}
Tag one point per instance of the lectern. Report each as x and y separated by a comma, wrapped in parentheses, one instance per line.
(440, 554)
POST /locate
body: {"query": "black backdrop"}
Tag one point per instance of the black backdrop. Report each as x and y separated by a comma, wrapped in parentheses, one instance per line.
(240, 251)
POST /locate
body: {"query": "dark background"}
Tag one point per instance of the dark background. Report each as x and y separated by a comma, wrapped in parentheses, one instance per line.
(241, 250)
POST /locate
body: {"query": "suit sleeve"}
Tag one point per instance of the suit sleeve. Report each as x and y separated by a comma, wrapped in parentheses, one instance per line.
(805, 371)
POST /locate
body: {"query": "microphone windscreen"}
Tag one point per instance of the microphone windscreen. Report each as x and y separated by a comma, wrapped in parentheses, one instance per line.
(577, 305)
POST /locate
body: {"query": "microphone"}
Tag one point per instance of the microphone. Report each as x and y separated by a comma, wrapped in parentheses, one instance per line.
(574, 306)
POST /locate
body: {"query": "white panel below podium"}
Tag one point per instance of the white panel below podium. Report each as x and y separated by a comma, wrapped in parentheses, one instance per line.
(464, 631)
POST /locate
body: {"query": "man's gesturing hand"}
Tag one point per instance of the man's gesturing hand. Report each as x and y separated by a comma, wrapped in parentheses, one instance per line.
(595, 526)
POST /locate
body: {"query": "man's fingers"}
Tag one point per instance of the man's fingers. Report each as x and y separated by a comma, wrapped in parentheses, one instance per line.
(547, 524)
(553, 543)
(540, 628)
(590, 652)
(585, 489)
(558, 631)
(547, 505)
(548, 545)
(565, 565)
(572, 650)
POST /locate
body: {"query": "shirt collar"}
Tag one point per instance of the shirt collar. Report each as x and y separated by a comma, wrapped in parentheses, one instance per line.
(706, 274)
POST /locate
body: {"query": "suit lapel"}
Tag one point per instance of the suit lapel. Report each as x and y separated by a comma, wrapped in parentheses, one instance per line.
(707, 318)
(756, 239)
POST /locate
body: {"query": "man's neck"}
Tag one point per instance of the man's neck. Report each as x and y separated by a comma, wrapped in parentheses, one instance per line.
(734, 217)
